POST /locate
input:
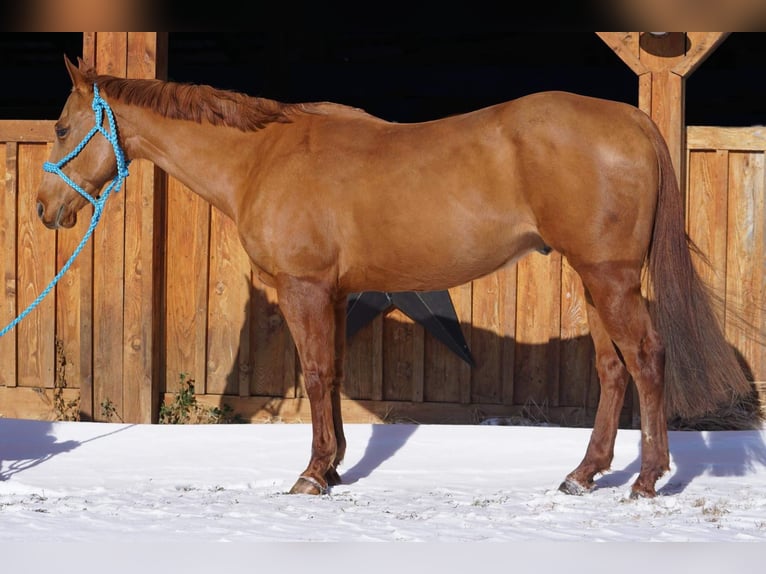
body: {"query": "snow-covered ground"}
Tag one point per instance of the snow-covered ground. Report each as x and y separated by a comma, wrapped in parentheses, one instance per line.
(192, 486)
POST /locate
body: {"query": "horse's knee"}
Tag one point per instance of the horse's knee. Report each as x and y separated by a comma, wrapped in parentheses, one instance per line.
(318, 382)
(612, 372)
(651, 360)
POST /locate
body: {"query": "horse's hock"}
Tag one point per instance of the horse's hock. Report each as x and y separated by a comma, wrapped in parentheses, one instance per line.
(165, 288)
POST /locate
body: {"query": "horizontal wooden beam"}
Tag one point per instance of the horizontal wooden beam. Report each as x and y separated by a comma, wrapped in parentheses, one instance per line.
(27, 131)
(714, 138)
(297, 410)
(41, 404)
(38, 403)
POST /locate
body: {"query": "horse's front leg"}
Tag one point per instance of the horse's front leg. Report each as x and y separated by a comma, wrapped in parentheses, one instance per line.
(309, 311)
(332, 476)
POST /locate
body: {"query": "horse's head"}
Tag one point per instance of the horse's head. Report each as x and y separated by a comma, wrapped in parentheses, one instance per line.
(90, 168)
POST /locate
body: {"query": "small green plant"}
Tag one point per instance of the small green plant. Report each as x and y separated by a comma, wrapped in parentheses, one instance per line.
(184, 409)
(66, 410)
(109, 411)
(223, 415)
(184, 402)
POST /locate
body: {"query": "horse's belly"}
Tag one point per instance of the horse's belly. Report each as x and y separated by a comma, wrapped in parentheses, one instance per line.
(436, 265)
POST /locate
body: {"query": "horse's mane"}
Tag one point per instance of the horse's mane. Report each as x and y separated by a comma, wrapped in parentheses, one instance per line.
(198, 102)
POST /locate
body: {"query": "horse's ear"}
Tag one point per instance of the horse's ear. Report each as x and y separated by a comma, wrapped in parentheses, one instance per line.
(75, 72)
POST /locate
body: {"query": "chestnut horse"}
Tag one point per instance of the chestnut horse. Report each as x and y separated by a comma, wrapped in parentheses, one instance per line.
(329, 200)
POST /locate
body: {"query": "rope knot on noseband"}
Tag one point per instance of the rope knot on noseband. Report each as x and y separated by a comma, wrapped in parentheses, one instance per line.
(100, 107)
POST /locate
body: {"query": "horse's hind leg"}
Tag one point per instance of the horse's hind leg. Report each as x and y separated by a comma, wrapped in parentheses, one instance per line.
(309, 311)
(616, 294)
(613, 380)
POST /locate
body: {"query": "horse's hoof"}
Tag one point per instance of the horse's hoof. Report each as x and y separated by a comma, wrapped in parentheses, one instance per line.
(644, 487)
(637, 493)
(308, 485)
(571, 486)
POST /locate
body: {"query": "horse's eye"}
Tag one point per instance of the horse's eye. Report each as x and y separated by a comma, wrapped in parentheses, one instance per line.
(61, 132)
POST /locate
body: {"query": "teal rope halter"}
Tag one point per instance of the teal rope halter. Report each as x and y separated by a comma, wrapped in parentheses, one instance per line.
(100, 107)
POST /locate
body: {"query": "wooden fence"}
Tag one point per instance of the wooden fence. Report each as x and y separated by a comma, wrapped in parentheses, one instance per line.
(726, 218)
(177, 284)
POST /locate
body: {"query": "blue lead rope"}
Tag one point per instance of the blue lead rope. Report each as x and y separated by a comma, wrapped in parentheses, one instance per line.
(99, 106)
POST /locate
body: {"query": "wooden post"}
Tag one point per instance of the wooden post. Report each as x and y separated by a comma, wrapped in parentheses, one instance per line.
(663, 61)
(127, 277)
(662, 64)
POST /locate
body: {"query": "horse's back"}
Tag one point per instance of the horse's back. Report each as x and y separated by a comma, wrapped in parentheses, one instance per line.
(432, 205)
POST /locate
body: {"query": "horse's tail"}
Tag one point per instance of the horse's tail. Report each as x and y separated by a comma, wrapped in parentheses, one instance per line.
(704, 381)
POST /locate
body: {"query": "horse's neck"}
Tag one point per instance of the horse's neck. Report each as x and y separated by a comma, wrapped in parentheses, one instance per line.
(192, 153)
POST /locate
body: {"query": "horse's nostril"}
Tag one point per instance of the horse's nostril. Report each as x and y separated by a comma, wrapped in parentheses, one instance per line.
(40, 209)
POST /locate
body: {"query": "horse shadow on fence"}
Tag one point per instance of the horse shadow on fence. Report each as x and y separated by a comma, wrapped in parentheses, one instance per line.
(572, 388)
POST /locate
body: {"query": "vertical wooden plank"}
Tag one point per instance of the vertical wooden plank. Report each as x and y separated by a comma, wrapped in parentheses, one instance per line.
(402, 357)
(579, 386)
(447, 378)
(138, 309)
(492, 331)
(36, 250)
(8, 227)
(745, 279)
(359, 365)
(418, 364)
(143, 209)
(86, 289)
(364, 362)
(72, 306)
(508, 307)
(668, 98)
(89, 47)
(707, 215)
(486, 345)
(228, 336)
(645, 93)
(538, 327)
(188, 236)
(274, 359)
(109, 264)
(462, 299)
(376, 393)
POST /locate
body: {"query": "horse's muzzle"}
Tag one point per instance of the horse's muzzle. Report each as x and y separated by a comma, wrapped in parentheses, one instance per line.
(56, 222)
